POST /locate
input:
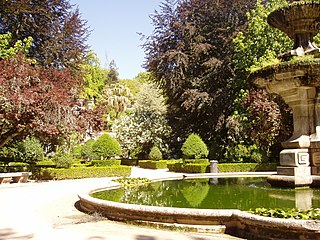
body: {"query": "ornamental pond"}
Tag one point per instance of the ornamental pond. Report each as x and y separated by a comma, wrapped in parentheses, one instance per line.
(241, 193)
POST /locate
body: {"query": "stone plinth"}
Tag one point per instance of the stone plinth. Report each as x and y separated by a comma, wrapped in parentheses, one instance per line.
(294, 171)
(294, 157)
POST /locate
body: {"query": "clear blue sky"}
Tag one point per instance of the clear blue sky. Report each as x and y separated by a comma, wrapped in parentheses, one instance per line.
(114, 25)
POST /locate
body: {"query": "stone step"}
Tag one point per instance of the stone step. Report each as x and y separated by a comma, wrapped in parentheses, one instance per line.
(213, 229)
(206, 232)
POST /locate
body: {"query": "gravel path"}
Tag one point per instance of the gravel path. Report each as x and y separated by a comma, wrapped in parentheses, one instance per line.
(46, 211)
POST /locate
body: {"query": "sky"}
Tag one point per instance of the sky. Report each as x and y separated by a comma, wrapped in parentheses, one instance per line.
(115, 25)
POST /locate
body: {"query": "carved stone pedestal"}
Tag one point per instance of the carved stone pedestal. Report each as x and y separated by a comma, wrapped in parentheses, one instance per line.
(298, 83)
(294, 170)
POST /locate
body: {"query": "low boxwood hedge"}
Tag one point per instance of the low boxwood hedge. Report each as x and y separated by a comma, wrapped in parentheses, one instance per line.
(179, 166)
(196, 161)
(129, 162)
(15, 167)
(174, 166)
(194, 168)
(105, 163)
(46, 164)
(85, 172)
(153, 164)
(247, 167)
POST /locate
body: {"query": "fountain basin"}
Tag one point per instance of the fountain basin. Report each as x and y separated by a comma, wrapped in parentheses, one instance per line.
(296, 18)
(288, 75)
(236, 222)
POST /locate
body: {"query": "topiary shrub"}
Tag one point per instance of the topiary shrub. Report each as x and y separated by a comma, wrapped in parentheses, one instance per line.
(155, 154)
(30, 150)
(194, 147)
(86, 150)
(106, 147)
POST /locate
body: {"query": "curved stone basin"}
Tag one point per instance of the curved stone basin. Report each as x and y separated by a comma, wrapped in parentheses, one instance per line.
(287, 76)
(237, 223)
(296, 18)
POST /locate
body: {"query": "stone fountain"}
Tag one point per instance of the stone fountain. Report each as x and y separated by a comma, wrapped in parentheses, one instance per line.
(297, 82)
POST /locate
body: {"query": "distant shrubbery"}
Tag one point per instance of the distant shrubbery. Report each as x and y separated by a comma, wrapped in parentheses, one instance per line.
(84, 172)
(86, 151)
(30, 150)
(62, 159)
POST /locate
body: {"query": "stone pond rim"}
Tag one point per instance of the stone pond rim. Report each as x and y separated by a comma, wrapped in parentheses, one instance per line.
(289, 74)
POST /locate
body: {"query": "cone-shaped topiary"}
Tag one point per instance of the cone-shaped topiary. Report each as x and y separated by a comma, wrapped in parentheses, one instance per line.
(155, 154)
(106, 147)
(194, 147)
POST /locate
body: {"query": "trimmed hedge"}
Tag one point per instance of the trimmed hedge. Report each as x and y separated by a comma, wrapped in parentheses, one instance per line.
(247, 167)
(153, 164)
(46, 164)
(129, 162)
(15, 167)
(85, 172)
(194, 168)
(175, 166)
(196, 161)
(187, 168)
(105, 163)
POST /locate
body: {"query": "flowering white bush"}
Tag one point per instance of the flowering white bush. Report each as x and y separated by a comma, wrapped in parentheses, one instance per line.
(142, 129)
(146, 126)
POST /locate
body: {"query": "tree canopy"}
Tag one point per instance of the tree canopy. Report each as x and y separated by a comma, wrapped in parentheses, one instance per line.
(190, 55)
(40, 101)
(58, 32)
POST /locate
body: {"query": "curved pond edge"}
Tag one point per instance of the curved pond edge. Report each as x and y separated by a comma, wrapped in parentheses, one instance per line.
(237, 223)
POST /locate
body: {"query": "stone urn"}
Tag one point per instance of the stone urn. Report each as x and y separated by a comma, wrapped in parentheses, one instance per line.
(297, 82)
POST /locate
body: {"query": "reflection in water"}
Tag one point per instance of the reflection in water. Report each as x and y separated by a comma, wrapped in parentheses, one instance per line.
(226, 193)
(195, 192)
(213, 181)
(302, 198)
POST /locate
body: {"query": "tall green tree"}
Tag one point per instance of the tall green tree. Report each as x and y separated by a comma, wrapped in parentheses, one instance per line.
(95, 77)
(260, 121)
(57, 30)
(113, 75)
(190, 55)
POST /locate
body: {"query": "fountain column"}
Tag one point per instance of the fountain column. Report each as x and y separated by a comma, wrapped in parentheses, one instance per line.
(297, 82)
(294, 169)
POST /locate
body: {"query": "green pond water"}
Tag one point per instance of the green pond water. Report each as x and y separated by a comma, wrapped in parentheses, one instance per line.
(221, 193)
